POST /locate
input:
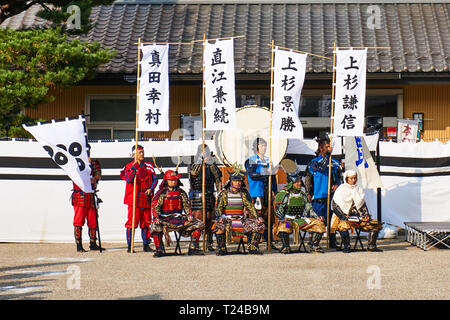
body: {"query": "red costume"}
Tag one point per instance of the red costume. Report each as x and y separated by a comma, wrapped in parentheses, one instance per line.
(168, 206)
(83, 206)
(146, 181)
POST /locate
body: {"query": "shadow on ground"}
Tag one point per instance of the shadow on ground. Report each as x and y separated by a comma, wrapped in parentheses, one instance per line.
(149, 297)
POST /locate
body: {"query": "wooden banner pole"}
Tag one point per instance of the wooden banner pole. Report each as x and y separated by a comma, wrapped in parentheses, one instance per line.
(136, 145)
(203, 146)
(331, 144)
(269, 213)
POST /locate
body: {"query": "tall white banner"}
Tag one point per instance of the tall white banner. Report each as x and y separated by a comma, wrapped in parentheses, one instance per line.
(66, 143)
(407, 130)
(154, 89)
(289, 76)
(350, 92)
(220, 100)
(359, 159)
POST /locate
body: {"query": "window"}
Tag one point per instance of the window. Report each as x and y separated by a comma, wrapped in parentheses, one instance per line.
(192, 125)
(315, 106)
(111, 117)
(256, 97)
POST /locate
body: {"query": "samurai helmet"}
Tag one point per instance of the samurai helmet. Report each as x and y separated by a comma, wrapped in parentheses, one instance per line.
(171, 175)
(293, 176)
(293, 172)
(238, 173)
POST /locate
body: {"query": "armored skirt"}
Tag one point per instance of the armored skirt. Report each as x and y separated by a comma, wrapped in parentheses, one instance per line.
(197, 201)
(300, 224)
(345, 225)
(177, 223)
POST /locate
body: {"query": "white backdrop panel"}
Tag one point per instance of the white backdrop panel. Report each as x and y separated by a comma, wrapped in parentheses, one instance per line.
(40, 210)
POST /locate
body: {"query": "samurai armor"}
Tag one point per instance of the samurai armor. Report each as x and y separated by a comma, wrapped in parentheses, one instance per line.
(145, 180)
(345, 241)
(285, 248)
(373, 235)
(253, 245)
(221, 246)
(78, 238)
(82, 199)
(197, 201)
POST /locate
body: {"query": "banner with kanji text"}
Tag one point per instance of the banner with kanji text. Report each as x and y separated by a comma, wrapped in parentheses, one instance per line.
(289, 76)
(220, 100)
(154, 89)
(350, 92)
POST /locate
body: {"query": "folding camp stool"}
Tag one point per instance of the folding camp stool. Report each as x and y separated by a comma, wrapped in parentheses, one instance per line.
(177, 242)
(241, 243)
(358, 240)
(177, 246)
(301, 240)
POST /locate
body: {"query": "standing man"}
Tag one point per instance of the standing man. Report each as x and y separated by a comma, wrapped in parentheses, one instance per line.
(83, 206)
(146, 181)
(316, 181)
(258, 170)
(212, 178)
(168, 205)
(235, 209)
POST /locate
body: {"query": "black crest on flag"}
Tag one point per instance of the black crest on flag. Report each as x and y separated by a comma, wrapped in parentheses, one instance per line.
(75, 149)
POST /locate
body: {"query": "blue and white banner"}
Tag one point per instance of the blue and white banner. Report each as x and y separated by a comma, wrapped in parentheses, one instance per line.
(359, 159)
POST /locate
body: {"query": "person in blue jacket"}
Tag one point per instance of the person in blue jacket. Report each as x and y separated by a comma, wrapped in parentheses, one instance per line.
(316, 181)
(259, 169)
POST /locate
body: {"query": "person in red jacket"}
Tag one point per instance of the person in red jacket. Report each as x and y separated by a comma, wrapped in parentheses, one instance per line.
(146, 181)
(83, 206)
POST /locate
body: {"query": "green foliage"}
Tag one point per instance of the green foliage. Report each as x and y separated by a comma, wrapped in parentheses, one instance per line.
(34, 61)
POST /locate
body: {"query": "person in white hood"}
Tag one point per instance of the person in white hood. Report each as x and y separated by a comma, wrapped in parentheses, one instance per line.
(350, 211)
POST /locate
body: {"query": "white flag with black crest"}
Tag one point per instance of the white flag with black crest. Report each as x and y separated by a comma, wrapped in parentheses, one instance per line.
(66, 143)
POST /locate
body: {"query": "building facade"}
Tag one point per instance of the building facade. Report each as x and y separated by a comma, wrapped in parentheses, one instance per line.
(409, 80)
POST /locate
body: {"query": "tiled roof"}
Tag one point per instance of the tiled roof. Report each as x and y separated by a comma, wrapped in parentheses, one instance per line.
(418, 34)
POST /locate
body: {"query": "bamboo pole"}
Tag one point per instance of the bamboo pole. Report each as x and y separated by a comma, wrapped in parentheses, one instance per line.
(203, 146)
(269, 213)
(358, 47)
(298, 51)
(135, 147)
(225, 38)
(331, 144)
(194, 41)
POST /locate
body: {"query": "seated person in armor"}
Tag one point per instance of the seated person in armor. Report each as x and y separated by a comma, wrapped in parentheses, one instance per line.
(295, 212)
(167, 210)
(350, 211)
(235, 209)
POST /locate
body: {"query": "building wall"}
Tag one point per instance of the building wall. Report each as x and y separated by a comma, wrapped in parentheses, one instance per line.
(71, 102)
(432, 100)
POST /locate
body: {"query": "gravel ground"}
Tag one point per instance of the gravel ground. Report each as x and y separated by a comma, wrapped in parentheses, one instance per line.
(57, 271)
